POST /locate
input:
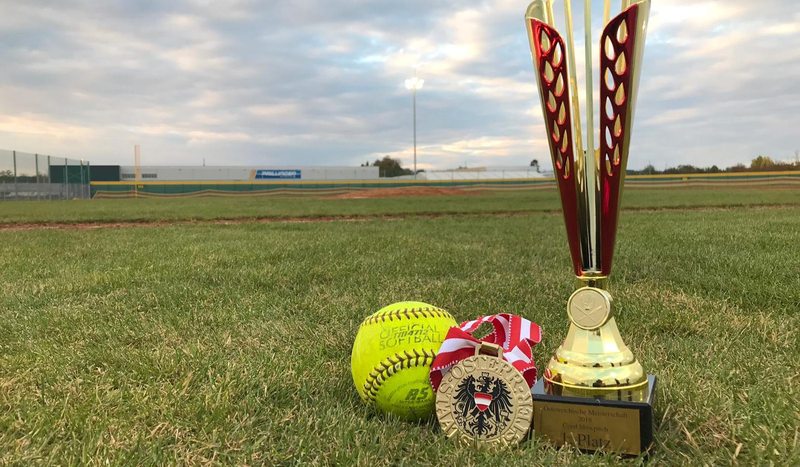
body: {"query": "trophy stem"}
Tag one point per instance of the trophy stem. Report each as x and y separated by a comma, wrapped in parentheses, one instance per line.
(591, 156)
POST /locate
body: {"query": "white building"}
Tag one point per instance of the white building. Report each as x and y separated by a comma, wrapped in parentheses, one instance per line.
(241, 173)
(482, 173)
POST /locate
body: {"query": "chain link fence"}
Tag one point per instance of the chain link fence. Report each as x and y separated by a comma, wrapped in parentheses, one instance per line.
(25, 176)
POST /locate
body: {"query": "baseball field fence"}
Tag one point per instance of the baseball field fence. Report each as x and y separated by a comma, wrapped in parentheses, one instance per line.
(26, 176)
(183, 189)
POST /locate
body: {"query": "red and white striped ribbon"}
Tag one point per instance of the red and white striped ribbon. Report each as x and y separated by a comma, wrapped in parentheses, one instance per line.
(515, 334)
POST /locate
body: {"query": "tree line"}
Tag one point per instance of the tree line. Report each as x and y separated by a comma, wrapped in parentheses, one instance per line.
(390, 167)
(7, 176)
(759, 164)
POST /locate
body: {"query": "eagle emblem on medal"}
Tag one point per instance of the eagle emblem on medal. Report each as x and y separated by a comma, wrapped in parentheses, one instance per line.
(484, 400)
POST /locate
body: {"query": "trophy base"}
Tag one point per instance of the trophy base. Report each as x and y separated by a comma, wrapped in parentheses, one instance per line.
(595, 423)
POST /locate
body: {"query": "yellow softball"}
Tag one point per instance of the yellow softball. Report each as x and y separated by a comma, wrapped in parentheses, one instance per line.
(392, 357)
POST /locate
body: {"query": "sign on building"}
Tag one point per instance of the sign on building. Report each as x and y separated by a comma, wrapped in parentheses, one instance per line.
(271, 174)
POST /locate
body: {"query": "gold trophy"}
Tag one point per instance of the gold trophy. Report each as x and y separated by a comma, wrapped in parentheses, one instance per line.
(594, 393)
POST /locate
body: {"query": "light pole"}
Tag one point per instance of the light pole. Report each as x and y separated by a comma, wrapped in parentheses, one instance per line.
(414, 84)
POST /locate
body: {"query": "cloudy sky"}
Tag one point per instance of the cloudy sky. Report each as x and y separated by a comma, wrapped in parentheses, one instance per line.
(287, 82)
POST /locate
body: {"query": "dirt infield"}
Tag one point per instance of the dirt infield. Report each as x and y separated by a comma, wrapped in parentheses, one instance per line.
(92, 225)
(405, 191)
(14, 227)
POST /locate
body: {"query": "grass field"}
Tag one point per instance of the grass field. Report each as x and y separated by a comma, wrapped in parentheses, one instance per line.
(106, 210)
(208, 343)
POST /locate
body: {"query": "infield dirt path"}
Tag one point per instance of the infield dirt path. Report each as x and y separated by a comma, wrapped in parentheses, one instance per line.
(407, 191)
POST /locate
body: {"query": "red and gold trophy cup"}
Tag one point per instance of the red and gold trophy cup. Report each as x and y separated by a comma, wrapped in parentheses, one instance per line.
(594, 393)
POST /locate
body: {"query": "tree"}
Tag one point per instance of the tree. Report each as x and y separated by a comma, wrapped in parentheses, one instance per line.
(762, 163)
(535, 164)
(389, 167)
(683, 169)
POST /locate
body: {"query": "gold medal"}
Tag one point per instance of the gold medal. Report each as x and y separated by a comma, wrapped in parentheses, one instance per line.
(483, 400)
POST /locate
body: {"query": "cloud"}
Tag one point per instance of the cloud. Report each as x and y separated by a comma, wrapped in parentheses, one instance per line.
(312, 82)
(39, 126)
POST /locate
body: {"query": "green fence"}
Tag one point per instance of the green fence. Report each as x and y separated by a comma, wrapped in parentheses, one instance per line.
(316, 188)
(218, 188)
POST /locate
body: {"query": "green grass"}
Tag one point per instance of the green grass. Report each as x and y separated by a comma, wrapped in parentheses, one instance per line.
(104, 210)
(231, 343)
